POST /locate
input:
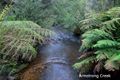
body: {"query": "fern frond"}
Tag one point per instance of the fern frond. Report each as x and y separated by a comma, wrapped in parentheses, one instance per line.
(112, 64)
(85, 64)
(102, 44)
(92, 36)
(102, 38)
(105, 53)
(89, 24)
(20, 37)
(110, 25)
(96, 34)
(5, 11)
(101, 56)
(114, 12)
(11, 68)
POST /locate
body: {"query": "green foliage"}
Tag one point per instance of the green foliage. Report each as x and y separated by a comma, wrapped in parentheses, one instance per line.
(17, 42)
(62, 12)
(69, 12)
(84, 64)
(110, 25)
(18, 38)
(101, 44)
(101, 36)
(106, 20)
(112, 63)
(91, 37)
(31, 10)
(11, 67)
(4, 12)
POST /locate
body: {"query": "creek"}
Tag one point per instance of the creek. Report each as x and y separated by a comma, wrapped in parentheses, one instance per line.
(57, 55)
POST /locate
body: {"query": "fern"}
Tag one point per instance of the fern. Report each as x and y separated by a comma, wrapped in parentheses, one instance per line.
(101, 44)
(20, 37)
(5, 11)
(112, 63)
(85, 64)
(100, 56)
(17, 42)
(114, 12)
(110, 25)
(105, 53)
(103, 39)
(88, 24)
(92, 36)
(11, 68)
(104, 20)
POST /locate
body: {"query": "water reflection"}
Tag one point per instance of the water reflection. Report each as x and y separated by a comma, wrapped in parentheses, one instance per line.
(58, 57)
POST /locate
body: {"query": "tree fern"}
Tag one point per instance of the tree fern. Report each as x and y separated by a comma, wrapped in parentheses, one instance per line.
(18, 40)
(114, 12)
(110, 25)
(105, 20)
(20, 37)
(88, 24)
(92, 36)
(103, 39)
(85, 64)
(104, 54)
(100, 56)
(101, 44)
(112, 63)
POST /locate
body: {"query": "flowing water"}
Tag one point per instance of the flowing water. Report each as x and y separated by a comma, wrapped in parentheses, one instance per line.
(55, 58)
(59, 55)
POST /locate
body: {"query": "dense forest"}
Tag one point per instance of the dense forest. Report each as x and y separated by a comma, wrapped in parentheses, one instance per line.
(31, 31)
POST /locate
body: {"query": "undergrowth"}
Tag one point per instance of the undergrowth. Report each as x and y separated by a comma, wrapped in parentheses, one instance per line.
(101, 38)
